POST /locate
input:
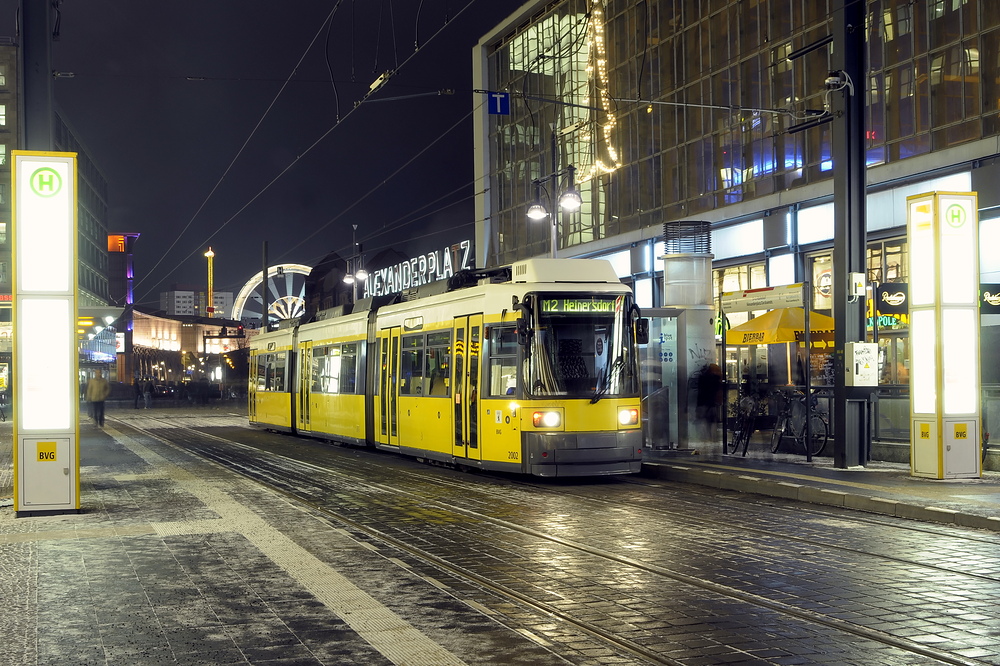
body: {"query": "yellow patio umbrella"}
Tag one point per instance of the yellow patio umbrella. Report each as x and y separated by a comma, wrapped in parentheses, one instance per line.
(783, 325)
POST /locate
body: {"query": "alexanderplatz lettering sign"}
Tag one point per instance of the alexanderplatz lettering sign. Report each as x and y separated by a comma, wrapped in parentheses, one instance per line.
(427, 268)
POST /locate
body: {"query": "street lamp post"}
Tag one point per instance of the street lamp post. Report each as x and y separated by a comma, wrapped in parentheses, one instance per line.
(568, 201)
(355, 272)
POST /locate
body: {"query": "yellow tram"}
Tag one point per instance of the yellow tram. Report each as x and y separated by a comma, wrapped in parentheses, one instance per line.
(531, 369)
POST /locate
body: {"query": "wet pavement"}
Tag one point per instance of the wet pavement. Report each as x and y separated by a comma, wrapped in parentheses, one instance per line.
(878, 487)
(175, 560)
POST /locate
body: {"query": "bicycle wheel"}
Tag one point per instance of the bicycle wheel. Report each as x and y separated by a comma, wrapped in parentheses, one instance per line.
(778, 433)
(740, 432)
(745, 418)
(819, 433)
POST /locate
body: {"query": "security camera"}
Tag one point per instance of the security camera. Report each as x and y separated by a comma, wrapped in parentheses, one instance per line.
(834, 80)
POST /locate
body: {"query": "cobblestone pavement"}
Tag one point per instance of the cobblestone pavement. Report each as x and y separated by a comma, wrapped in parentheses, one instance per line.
(177, 560)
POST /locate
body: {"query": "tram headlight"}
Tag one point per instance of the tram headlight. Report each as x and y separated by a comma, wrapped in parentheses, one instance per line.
(628, 416)
(546, 419)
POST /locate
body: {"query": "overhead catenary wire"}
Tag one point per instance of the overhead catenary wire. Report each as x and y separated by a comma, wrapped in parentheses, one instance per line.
(239, 152)
(364, 196)
(312, 146)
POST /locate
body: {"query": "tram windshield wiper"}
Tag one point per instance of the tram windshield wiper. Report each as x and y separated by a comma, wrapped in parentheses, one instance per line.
(608, 377)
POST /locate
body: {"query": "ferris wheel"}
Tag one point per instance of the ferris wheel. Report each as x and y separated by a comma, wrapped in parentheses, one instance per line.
(286, 294)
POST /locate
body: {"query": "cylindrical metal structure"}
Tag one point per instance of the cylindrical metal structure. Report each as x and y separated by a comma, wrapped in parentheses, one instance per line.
(687, 263)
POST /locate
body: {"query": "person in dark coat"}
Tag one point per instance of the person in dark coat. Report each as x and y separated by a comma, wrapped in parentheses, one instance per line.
(137, 391)
(709, 398)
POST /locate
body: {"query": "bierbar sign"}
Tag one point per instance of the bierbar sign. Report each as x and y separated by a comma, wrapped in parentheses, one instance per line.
(431, 267)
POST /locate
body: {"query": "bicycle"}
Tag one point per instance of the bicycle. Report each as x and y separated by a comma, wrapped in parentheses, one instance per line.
(747, 409)
(791, 423)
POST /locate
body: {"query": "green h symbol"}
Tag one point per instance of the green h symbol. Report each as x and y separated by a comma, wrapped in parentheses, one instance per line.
(46, 182)
(955, 215)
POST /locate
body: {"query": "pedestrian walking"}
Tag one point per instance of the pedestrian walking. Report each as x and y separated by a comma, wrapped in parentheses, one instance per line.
(709, 398)
(147, 393)
(137, 391)
(98, 390)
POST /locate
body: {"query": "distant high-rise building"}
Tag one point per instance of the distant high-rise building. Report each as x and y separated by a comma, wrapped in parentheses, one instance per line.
(92, 193)
(190, 300)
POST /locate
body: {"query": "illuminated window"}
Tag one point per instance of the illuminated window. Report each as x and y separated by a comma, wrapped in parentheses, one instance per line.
(3, 114)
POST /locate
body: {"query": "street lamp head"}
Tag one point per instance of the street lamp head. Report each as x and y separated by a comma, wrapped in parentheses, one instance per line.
(537, 212)
(361, 274)
(349, 278)
(570, 200)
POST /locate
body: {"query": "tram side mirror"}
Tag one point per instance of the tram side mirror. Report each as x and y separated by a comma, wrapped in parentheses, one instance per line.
(522, 331)
(642, 331)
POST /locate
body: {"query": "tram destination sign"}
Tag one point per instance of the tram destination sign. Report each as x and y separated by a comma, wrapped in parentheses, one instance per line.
(580, 306)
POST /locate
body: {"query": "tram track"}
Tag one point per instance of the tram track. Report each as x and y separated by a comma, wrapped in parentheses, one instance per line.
(296, 495)
(300, 474)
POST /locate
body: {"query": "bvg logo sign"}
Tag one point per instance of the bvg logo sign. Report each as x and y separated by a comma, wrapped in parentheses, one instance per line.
(46, 452)
(46, 182)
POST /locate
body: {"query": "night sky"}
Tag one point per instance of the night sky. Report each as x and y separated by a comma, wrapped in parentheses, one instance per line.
(164, 96)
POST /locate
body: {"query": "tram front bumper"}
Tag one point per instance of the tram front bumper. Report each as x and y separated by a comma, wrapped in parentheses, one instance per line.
(583, 454)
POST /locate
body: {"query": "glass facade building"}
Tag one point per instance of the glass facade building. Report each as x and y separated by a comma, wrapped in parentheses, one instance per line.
(671, 109)
(676, 110)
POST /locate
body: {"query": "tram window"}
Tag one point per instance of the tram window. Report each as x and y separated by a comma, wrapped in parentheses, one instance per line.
(271, 372)
(261, 374)
(503, 361)
(438, 364)
(326, 369)
(412, 366)
(349, 368)
(318, 370)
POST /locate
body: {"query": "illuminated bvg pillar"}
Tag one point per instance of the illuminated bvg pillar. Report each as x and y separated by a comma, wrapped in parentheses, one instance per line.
(943, 234)
(46, 416)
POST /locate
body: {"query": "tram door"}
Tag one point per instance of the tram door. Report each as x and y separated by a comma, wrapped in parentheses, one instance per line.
(387, 416)
(305, 382)
(465, 383)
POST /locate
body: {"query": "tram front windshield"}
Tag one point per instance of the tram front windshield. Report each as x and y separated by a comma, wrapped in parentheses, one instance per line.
(582, 346)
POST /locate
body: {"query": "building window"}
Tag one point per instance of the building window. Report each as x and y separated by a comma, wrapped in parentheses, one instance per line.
(3, 115)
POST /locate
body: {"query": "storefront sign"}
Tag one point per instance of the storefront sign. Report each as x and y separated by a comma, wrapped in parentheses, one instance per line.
(989, 298)
(768, 298)
(891, 298)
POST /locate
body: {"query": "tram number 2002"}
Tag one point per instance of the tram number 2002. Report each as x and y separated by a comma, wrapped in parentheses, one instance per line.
(513, 455)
